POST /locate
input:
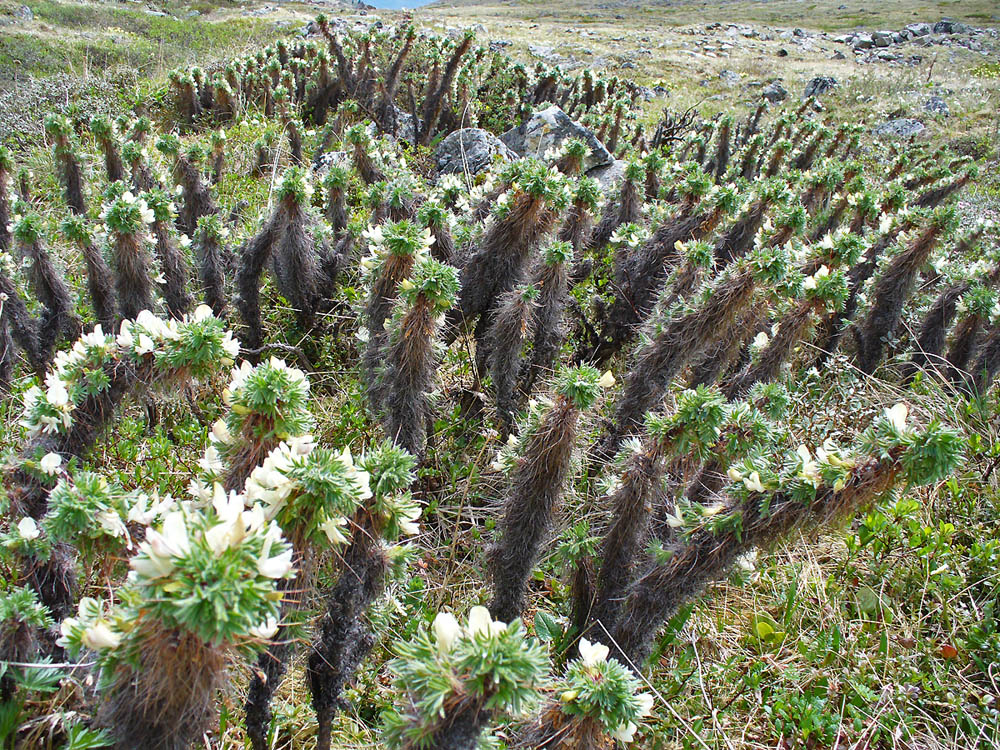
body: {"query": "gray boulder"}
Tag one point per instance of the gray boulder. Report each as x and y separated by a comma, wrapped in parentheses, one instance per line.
(470, 149)
(937, 106)
(774, 92)
(863, 41)
(919, 29)
(550, 128)
(901, 128)
(948, 26)
(609, 175)
(819, 85)
(882, 38)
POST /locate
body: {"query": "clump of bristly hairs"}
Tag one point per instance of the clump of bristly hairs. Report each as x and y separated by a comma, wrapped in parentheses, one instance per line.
(169, 254)
(412, 352)
(578, 226)
(311, 492)
(106, 134)
(523, 216)
(22, 617)
(928, 349)
(642, 271)
(537, 481)
(186, 172)
(625, 208)
(513, 321)
(6, 186)
(134, 155)
(343, 639)
(100, 282)
(196, 601)
(454, 682)
(394, 249)
(435, 217)
(695, 422)
(269, 403)
(217, 140)
(127, 219)
(770, 498)
(894, 286)
(551, 279)
(681, 337)
(288, 241)
(362, 149)
(209, 241)
(336, 182)
(60, 129)
(57, 320)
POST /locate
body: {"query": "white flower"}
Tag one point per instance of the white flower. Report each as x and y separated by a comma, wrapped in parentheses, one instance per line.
(56, 393)
(753, 482)
(125, 339)
(734, 474)
(279, 566)
(809, 283)
(626, 732)
(220, 432)
(408, 521)
(446, 630)
(481, 622)
(809, 471)
(607, 380)
(99, 637)
(823, 272)
(332, 528)
(592, 653)
(266, 630)
(50, 463)
(202, 312)
(211, 462)
(27, 529)
(145, 346)
(760, 340)
(645, 703)
(112, 523)
(230, 345)
(897, 416)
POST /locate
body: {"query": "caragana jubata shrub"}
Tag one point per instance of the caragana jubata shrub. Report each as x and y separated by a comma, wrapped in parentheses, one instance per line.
(658, 262)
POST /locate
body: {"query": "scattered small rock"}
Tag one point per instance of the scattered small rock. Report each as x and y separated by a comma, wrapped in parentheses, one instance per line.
(729, 77)
(937, 106)
(819, 85)
(782, 52)
(903, 127)
(774, 92)
(23, 13)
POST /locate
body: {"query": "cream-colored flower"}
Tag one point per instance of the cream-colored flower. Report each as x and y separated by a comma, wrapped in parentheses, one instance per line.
(645, 703)
(266, 630)
(99, 637)
(753, 482)
(480, 621)
(446, 630)
(626, 732)
(607, 380)
(50, 463)
(897, 416)
(592, 653)
(760, 340)
(28, 529)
